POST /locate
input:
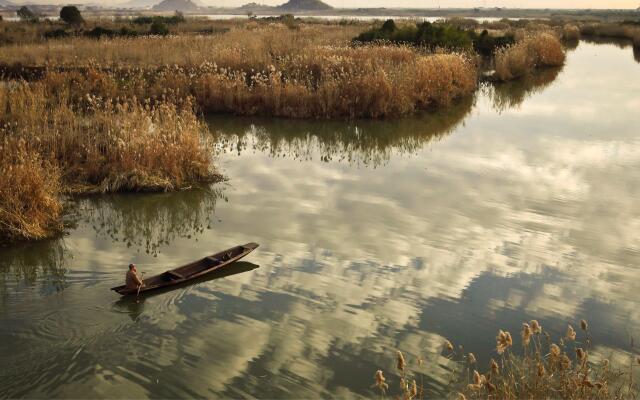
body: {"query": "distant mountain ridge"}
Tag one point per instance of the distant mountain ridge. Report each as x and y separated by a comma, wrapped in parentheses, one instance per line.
(176, 5)
(304, 5)
(137, 4)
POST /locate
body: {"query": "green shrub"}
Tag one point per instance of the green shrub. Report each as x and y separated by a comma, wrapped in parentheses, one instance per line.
(99, 32)
(177, 18)
(423, 34)
(159, 28)
(56, 34)
(486, 45)
(71, 15)
(25, 14)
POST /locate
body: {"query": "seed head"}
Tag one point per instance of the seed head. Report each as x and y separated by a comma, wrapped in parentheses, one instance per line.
(526, 334)
(571, 334)
(414, 390)
(381, 381)
(503, 341)
(565, 362)
(476, 378)
(494, 367)
(535, 326)
(471, 358)
(583, 325)
(448, 345)
(401, 363)
(554, 350)
(581, 354)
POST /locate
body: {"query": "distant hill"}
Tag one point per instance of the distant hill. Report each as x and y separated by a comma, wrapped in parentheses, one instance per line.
(136, 4)
(304, 5)
(5, 3)
(252, 6)
(176, 5)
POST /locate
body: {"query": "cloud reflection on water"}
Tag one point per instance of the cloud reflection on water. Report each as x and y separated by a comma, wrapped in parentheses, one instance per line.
(527, 210)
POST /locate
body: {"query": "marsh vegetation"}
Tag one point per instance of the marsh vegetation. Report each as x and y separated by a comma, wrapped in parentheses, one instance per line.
(116, 105)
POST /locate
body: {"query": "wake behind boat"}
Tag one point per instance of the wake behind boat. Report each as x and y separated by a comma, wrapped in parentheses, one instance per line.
(190, 271)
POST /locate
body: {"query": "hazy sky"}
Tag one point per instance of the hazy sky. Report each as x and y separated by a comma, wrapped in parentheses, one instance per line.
(456, 3)
(408, 3)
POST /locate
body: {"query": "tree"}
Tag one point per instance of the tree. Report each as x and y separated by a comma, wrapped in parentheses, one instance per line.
(25, 14)
(159, 28)
(389, 26)
(71, 15)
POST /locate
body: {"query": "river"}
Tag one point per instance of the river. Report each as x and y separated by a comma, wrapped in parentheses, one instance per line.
(375, 236)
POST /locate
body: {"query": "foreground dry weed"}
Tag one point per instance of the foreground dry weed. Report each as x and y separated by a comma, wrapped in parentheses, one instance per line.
(29, 194)
(536, 51)
(542, 370)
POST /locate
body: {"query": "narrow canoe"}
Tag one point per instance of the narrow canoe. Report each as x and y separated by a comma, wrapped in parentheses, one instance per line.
(191, 271)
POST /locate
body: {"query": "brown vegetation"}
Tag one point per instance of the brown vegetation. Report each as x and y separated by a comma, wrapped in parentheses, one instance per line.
(612, 30)
(536, 51)
(308, 73)
(29, 194)
(544, 369)
(52, 144)
(119, 112)
(571, 33)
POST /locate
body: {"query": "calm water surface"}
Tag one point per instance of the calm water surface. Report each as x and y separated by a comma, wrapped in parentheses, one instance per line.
(520, 203)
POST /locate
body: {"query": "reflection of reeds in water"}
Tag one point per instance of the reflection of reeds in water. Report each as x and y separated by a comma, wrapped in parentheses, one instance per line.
(512, 94)
(362, 143)
(541, 370)
(29, 263)
(150, 222)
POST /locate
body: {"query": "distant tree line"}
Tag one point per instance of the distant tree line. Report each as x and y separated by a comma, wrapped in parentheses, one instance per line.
(432, 36)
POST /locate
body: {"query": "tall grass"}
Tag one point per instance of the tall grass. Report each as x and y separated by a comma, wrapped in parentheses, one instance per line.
(51, 144)
(535, 367)
(29, 194)
(328, 82)
(536, 51)
(108, 145)
(571, 33)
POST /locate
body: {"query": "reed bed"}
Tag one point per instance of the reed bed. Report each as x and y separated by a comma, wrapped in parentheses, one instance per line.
(571, 33)
(30, 207)
(612, 30)
(532, 52)
(310, 72)
(543, 369)
(329, 82)
(247, 45)
(52, 145)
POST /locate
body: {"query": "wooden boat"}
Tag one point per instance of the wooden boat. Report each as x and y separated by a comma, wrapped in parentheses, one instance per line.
(191, 271)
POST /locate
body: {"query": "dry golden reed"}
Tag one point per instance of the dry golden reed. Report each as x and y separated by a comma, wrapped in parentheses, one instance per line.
(535, 51)
(52, 144)
(29, 194)
(313, 72)
(543, 370)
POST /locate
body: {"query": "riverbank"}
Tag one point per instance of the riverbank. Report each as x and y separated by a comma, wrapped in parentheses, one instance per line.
(57, 139)
(122, 112)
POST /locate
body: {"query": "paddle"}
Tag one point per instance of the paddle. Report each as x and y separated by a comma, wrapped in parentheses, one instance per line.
(140, 285)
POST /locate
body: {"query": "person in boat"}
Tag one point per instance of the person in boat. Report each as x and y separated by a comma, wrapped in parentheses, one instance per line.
(132, 280)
